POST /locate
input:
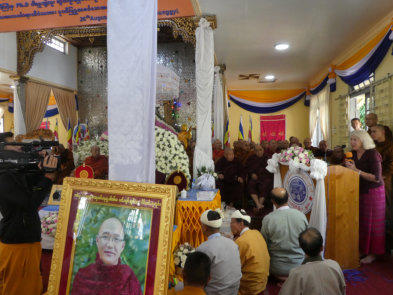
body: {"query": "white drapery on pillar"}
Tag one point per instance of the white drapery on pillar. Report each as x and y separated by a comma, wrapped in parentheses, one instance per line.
(218, 109)
(132, 50)
(19, 108)
(318, 218)
(319, 116)
(204, 75)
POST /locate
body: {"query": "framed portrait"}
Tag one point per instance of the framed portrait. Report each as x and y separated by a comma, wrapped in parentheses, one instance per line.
(55, 194)
(112, 238)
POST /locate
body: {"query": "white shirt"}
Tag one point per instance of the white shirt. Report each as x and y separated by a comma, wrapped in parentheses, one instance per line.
(226, 266)
(283, 207)
(244, 230)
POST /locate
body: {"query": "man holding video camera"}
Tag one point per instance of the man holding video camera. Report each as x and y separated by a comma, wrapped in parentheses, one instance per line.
(21, 194)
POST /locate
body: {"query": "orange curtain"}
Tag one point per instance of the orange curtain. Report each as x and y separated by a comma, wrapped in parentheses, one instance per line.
(67, 106)
(37, 97)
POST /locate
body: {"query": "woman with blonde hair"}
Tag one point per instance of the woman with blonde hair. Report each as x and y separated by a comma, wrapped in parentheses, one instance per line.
(368, 163)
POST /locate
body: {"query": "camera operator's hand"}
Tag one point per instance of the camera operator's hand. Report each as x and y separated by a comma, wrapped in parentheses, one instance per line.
(50, 162)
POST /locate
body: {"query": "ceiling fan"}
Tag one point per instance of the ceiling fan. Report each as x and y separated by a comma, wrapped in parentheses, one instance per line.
(249, 76)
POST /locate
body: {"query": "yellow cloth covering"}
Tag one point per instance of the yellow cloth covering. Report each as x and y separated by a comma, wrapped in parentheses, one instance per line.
(187, 217)
(255, 261)
(20, 269)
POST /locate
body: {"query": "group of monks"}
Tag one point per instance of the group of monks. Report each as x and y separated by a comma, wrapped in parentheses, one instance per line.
(242, 170)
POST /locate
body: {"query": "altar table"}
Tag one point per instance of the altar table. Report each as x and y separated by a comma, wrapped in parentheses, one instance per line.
(188, 227)
(188, 212)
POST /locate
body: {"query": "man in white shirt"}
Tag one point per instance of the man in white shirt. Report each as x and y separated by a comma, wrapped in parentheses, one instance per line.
(225, 272)
(315, 276)
(281, 229)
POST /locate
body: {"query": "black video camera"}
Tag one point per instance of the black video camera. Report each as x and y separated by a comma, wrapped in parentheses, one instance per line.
(28, 159)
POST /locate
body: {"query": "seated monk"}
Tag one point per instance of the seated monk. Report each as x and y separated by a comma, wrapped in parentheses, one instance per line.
(238, 149)
(272, 149)
(107, 275)
(218, 152)
(323, 152)
(230, 178)
(259, 181)
(66, 163)
(98, 163)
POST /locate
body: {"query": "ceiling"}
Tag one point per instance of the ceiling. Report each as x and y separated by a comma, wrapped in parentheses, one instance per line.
(317, 30)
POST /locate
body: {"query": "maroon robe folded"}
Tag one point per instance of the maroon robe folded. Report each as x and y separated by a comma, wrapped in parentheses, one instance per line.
(100, 279)
(231, 190)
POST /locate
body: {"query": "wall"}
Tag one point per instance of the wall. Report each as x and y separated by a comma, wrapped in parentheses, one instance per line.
(297, 117)
(92, 83)
(8, 51)
(180, 57)
(93, 88)
(55, 67)
(62, 130)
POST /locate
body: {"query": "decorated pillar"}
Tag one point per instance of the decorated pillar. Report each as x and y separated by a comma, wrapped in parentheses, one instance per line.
(204, 75)
(132, 50)
(19, 104)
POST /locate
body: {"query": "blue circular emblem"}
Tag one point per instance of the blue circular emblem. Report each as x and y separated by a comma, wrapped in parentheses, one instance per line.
(300, 188)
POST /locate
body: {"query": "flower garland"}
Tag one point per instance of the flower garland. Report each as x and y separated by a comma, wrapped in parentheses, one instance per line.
(170, 154)
(49, 224)
(297, 154)
(180, 255)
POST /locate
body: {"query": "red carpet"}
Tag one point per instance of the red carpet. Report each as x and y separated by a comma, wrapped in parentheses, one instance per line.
(372, 279)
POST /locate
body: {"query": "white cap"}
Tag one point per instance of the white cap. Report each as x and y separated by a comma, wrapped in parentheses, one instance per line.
(210, 219)
(242, 215)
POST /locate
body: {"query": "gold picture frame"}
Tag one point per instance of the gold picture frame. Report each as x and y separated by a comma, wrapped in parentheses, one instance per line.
(56, 188)
(81, 195)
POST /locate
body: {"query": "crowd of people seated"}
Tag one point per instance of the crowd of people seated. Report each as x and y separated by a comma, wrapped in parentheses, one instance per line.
(285, 248)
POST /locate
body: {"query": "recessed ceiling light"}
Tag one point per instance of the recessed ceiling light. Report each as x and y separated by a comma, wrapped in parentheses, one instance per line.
(12, 86)
(281, 46)
(269, 77)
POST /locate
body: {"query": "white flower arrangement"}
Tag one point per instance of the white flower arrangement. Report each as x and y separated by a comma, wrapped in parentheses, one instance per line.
(297, 154)
(180, 255)
(83, 150)
(170, 154)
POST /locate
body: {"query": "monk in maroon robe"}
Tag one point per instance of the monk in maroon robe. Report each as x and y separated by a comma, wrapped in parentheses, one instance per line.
(98, 163)
(259, 180)
(218, 152)
(107, 276)
(272, 149)
(230, 178)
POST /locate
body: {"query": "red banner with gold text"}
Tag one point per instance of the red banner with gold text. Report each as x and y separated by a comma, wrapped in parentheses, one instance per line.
(18, 15)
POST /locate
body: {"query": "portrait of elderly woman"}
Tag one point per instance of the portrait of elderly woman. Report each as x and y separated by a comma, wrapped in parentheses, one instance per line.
(111, 251)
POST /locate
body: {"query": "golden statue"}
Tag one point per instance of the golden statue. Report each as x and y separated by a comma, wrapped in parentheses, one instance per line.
(185, 135)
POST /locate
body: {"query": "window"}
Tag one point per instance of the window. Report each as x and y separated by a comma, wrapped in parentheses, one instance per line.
(57, 44)
(361, 102)
(317, 135)
(364, 84)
